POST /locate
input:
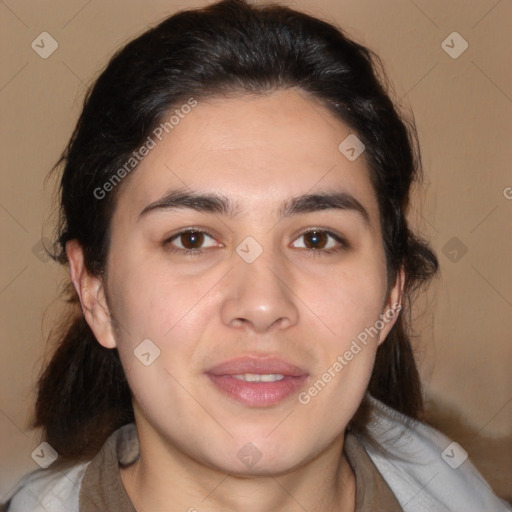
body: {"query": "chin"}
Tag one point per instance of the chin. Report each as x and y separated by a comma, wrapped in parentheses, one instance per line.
(262, 467)
(260, 458)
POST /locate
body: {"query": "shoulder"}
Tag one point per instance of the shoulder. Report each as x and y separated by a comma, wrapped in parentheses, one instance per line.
(424, 468)
(46, 490)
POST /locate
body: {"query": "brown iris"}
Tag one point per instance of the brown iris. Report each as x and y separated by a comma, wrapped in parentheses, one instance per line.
(192, 239)
(318, 239)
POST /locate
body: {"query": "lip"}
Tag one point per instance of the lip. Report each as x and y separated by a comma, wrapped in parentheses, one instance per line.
(258, 365)
(257, 394)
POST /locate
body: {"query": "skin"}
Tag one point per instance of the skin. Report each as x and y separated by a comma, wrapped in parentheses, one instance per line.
(301, 304)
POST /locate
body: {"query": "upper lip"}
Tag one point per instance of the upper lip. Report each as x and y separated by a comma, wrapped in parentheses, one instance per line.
(257, 365)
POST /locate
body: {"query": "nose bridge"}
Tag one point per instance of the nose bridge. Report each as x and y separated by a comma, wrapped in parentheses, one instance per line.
(259, 294)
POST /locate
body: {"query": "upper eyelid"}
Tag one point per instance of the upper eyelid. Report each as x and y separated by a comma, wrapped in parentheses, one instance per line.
(330, 232)
(193, 230)
(171, 238)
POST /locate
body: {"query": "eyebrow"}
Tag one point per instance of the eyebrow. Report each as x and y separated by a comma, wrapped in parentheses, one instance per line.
(222, 205)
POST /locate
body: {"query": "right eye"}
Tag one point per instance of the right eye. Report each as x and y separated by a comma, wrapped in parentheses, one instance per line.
(190, 241)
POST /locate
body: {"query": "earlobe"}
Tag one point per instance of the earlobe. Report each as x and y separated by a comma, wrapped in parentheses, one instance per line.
(392, 307)
(91, 292)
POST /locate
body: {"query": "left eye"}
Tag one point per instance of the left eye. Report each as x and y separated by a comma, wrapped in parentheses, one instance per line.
(320, 240)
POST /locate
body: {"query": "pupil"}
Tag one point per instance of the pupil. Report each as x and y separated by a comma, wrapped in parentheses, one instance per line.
(193, 239)
(316, 237)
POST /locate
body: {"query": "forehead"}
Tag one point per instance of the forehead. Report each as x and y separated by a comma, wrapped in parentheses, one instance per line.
(258, 151)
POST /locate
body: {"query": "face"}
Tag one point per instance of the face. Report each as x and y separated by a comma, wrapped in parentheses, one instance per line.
(276, 268)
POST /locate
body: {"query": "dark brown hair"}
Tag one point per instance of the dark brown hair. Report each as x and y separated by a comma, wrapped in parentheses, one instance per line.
(226, 48)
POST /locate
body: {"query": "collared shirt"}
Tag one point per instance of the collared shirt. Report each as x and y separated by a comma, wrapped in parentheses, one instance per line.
(102, 488)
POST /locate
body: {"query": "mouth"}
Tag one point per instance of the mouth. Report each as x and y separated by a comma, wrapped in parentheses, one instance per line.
(257, 381)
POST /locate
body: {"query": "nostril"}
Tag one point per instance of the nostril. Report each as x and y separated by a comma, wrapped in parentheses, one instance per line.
(239, 322)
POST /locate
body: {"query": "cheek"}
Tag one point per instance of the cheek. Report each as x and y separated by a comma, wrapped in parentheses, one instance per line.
(166, 311)
(349, 305)
(153, 301)
(348, 302)
(336, 389)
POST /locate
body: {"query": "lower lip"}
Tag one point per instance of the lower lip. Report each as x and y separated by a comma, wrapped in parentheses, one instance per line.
(258, 394)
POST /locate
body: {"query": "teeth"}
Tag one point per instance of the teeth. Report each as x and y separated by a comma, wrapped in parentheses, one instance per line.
(254, 377)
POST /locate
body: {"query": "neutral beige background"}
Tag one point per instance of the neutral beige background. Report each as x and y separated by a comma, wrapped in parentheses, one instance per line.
(463, 111)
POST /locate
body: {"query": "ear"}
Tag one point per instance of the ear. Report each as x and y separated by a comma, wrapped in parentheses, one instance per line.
(392, 306)
(91, 292)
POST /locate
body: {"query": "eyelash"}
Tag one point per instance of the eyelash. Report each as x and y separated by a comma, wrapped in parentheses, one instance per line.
(313, 252)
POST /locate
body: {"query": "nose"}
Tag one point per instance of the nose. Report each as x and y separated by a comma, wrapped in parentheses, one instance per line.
(259, 296)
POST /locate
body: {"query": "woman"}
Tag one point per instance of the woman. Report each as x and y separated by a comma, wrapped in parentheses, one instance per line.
(234, 203)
